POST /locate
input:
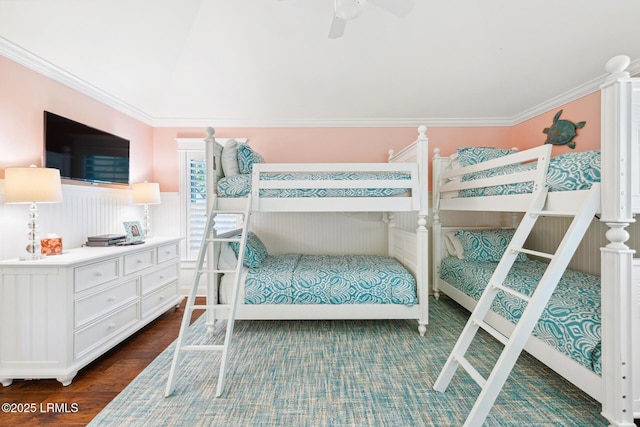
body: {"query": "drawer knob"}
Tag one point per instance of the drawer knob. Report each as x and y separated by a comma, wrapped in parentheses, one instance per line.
(139, 261)
(112, 298)
(161, 297)
(112, 325)
(98, 273)
(168, 252)
(161, 276)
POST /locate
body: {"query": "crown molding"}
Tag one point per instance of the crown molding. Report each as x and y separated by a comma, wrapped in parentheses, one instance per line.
(47, 69)
(569, 96)
(433, 122)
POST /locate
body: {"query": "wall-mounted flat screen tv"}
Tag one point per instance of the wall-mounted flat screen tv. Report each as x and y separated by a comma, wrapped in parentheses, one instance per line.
(83, 153)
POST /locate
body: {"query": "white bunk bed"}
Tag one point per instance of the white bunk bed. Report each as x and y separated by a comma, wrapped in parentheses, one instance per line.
(620, 201)
(408, 247)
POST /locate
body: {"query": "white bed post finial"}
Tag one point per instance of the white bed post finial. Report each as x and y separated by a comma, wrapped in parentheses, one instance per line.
(391, 154)
(422, 131)
(617, 65)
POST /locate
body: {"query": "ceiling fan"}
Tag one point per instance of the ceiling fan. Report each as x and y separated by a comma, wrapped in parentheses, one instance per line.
(345, 10)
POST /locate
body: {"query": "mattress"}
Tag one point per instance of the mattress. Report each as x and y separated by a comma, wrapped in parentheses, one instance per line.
(569, 323)
(240, 185)
(325, 279)
(567, 172)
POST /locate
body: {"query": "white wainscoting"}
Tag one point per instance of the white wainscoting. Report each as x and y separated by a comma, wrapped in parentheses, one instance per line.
(321, 233)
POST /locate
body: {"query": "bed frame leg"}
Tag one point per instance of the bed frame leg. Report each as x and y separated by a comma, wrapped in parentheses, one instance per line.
(422, 328)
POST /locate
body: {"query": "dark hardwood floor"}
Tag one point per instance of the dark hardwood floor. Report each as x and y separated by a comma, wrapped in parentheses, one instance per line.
(96, 384)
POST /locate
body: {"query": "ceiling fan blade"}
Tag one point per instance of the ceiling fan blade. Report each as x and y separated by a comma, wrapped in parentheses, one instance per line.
(400, 8)
(338, 26)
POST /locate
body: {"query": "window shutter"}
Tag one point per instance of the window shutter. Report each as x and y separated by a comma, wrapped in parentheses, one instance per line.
(197, 204)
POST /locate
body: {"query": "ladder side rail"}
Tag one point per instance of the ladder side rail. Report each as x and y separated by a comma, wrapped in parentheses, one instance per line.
(234, 299)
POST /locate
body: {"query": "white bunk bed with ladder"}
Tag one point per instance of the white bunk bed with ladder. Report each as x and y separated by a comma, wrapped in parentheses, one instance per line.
(617, 199)
(408, 248)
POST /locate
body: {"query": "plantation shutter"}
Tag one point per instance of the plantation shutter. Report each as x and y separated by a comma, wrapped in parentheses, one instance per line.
(197, 204)
(197, 207)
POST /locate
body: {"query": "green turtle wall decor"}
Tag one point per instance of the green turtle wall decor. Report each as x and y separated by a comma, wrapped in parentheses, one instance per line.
(562, 132)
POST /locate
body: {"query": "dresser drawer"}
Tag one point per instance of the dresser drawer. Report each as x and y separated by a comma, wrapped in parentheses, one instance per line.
(95, 305)
(159, 277)
(98, 333)
(159, 298)
(167, 252)
(138, 261)
(92, 275)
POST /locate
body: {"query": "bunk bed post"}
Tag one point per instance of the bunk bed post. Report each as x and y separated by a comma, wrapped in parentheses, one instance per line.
(436, 226)
(616, 256)
(422, 234)
(213, 172)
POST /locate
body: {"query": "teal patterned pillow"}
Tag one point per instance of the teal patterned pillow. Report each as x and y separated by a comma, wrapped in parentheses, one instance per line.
(473, 155)
(234, 186)
(486, 245)
(255, 251)
(574, 171)
(247, 157)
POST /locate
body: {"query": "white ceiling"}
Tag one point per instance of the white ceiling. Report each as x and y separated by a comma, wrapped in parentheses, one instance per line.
(268, 62)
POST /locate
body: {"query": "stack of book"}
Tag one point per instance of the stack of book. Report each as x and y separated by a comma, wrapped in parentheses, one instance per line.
(106, 240)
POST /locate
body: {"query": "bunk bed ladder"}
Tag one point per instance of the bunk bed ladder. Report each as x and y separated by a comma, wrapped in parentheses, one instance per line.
(210, 238)
(514, 344)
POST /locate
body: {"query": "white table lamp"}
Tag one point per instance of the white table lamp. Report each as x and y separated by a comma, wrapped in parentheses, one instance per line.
(146, 193)
(32, 185)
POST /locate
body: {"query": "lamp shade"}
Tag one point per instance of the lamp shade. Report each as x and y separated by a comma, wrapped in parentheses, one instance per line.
(146, 193)
(32, 184)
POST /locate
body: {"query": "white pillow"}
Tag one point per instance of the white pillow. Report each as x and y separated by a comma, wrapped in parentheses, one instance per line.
(229, 158)
(227, 259)
(453, 244)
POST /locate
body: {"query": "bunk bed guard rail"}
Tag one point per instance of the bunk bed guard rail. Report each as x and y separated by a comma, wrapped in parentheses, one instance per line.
(404, 202)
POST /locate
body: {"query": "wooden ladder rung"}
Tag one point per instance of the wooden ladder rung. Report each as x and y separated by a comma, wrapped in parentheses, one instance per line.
(492, 331)
(553, 213)
(223, 239)
(512, 292)
(534, 253)
(471, 370)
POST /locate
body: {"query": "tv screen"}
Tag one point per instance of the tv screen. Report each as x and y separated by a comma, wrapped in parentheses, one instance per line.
(84, 153)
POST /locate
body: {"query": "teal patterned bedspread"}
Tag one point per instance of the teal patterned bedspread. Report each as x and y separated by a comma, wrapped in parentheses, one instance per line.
(569, 171)
(571, 320)
(240, 185)
(330, 279)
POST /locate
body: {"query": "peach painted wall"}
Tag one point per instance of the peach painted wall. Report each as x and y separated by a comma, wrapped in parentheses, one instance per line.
(289, 145)
(529, 133)
(26, 94)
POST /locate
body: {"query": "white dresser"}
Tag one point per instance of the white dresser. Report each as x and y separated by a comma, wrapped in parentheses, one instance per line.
(60, 313)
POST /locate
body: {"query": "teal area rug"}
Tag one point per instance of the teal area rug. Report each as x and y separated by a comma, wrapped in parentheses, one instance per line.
(344, 373)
